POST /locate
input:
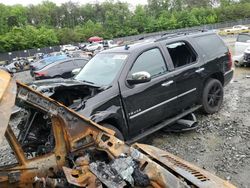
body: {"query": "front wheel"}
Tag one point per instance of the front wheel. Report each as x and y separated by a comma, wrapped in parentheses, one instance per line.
(212, 96)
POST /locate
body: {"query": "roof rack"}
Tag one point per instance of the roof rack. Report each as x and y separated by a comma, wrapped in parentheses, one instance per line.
(176, 34)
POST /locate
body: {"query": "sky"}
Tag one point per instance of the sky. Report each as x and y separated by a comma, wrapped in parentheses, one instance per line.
(58, 2)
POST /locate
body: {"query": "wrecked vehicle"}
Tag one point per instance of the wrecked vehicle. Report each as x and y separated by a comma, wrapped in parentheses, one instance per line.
(72, 151)
(138, 89)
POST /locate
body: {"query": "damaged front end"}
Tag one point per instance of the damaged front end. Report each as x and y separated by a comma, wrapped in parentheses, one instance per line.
(60, 148)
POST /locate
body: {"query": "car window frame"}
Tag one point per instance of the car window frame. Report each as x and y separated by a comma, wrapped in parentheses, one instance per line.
(139, 54)
(192, 49)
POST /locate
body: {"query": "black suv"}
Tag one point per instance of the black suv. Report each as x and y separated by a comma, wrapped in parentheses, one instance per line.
(138, 89)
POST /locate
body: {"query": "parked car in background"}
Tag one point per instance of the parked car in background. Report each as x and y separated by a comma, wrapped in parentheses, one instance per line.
(109, 44)
(236, 28)
(242, 42)
(68, 47)
(140, 88)
(240, 48)
(80, 53)
(94, 46)
(44, 62)
(60, 68)
(82, 45)
(18, 64)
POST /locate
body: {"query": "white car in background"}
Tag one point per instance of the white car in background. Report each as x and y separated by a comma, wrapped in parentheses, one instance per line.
(68, 47)
(109, 44)
(241, 47)
(236, 28)
(93, 46)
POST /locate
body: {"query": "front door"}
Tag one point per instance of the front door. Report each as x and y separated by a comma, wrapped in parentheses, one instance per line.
(149, 103)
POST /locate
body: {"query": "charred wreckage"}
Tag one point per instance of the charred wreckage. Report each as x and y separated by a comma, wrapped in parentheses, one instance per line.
(53, 146)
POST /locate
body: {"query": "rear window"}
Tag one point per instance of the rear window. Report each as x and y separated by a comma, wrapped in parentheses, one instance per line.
(211, 45)
(243, 38)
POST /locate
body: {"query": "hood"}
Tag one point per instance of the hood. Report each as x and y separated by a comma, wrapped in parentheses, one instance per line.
(7, 100)
(47, 86)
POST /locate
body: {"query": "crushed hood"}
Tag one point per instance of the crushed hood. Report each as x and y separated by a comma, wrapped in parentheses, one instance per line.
(7, 100)
(47, 86)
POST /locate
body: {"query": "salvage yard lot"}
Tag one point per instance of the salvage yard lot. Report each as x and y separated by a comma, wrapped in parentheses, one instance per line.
(221, 143)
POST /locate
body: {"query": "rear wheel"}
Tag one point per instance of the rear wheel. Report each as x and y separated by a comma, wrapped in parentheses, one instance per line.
(212, 97)
(118, 133)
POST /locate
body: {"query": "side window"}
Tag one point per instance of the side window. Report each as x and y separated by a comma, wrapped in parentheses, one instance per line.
(150, 61)
(65, 64)
(243, 38)
(181, 54)
(211, 45)
(80, 62)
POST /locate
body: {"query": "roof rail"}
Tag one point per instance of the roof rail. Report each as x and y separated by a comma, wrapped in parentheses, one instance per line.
(176, 34)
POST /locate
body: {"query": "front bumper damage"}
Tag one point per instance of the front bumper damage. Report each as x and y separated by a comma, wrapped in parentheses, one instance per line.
(81, 153)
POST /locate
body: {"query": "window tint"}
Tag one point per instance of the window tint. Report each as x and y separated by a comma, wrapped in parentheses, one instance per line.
(181, 54)
(211, 45)
(150, 61)
(243, 38)
(66, 64)
(80, 62)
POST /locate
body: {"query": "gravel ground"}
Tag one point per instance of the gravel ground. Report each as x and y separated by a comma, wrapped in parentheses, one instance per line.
(221, 143)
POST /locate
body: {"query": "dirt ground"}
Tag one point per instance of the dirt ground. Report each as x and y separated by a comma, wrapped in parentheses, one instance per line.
(221, 143)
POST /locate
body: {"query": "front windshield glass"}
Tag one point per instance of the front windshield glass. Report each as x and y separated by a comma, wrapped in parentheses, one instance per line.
(102, 69)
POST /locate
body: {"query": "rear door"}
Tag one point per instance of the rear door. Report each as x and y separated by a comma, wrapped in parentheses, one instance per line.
(149, 103)
(188, 70)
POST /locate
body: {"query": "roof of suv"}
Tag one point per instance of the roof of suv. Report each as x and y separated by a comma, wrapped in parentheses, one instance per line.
(141, 43)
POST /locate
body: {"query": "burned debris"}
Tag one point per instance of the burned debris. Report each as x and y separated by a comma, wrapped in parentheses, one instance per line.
(56, 147)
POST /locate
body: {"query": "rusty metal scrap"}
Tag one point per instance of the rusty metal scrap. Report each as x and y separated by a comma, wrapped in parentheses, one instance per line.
(60, 148)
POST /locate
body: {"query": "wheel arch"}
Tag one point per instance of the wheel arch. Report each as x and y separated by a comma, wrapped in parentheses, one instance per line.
(218, 76)
(114, 122)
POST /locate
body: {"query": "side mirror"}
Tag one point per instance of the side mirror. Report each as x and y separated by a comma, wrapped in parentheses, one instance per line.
(139, 77)
(75, 71)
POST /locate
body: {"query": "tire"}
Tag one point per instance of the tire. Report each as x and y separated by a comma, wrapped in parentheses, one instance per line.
(237, 64)
(212, 96)
(118, 133)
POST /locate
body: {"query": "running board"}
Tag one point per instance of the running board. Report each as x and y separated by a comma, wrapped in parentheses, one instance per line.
(163, 124)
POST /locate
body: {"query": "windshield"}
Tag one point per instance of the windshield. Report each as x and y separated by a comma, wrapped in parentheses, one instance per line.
(102, 69)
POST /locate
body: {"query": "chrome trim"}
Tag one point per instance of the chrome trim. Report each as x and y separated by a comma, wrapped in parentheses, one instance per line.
(200, 70)
(164, 102)
(166, 84)
(228, 72)
(187, 92)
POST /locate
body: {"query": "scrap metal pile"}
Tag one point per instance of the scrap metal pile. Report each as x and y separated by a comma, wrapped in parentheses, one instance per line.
(56, 147)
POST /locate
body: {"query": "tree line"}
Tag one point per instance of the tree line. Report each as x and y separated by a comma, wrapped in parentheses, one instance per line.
(46, 24)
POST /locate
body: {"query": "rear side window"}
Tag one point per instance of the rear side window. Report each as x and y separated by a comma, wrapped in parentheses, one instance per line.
(211, 45)
(243, 38)
(150, 61)
(181, 54)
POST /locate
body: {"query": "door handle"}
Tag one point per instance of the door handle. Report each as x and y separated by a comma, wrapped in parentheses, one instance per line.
(166, 84)
(199, 70)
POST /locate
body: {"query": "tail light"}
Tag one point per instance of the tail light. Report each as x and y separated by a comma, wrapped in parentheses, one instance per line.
(230, 63)
(39, 74)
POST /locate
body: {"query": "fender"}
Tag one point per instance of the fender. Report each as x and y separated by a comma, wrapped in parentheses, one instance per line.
(111, 114)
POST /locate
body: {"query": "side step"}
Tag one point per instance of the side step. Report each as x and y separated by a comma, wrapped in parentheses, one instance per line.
(187, 123)
(163, 124)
